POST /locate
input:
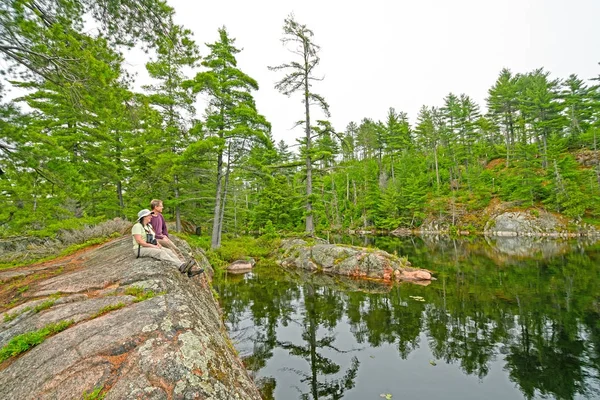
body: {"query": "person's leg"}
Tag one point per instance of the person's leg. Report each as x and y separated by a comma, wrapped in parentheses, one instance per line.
(160, 254)
(169, 255)
(170, 245)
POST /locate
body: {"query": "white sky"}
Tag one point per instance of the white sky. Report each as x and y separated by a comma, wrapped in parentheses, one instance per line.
(378, 54)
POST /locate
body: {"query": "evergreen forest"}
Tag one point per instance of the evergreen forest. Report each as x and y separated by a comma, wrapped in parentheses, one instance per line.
(81, 144)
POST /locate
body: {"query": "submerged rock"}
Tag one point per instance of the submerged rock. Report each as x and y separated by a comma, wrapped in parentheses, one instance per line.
(349, 261)
(140, 329)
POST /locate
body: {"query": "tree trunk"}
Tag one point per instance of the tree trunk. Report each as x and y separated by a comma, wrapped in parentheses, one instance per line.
(224, 201)
(393, 173)
(235, 227)
(177, 206)
(335, 208)
(215, 242)
(596, 157)
(120, 196)
(347, 188)
(437, 171)
(35, 195)
(310, 226)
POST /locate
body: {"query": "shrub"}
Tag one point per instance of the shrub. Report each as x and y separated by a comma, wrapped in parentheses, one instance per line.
(21, 343)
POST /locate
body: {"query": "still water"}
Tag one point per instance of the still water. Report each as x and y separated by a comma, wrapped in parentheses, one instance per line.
(505, 319)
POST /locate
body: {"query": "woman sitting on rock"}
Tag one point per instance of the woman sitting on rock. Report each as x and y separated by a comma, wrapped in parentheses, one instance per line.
(145, 244)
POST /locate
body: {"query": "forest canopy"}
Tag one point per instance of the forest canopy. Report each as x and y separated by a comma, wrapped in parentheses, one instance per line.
(81, 144)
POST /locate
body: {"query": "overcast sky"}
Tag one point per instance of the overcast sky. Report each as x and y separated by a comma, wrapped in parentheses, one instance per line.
(378, 54)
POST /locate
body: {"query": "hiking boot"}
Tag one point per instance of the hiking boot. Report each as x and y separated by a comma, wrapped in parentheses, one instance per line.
(187, 266)
(182, 267)
(196, 272)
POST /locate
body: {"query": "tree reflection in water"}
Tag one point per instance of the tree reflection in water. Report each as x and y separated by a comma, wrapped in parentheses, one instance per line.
(537, 319)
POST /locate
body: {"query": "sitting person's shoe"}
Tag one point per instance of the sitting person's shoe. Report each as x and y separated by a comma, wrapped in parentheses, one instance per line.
(194, 273)
(187, 266)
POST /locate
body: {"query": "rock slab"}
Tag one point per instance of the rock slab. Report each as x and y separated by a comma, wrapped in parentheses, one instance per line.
(163, 338)
(348, 261)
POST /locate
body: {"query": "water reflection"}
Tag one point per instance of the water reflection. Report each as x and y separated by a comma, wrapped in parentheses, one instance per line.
(493, 327)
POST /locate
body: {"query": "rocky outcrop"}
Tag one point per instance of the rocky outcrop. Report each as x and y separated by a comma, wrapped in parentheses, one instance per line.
(524, 223)
(505, 219)
(588, 158)
(241, 266)
(348, 261)
(138, 329)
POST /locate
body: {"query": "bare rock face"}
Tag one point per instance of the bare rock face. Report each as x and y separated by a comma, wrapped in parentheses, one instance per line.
(348, 261)
(525, 223)
(140, 329)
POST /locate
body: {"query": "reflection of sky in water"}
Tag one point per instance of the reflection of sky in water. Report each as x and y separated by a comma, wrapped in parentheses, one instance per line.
(382, 370)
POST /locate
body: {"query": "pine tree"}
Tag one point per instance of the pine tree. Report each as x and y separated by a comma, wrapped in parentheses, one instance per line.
(300, 77)
(541, 108)
(576, 96)
(232, 118)
(503, 107)
(175, 51)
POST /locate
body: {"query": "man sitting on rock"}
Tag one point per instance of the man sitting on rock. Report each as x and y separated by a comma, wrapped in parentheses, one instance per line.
(160, 227)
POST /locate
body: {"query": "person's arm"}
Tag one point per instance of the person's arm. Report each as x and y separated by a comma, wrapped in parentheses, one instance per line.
(138, 232)
(164, 230)
(143, 243)
(156, 222)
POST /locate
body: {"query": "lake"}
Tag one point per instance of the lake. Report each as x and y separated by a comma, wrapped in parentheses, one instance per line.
(506, 318)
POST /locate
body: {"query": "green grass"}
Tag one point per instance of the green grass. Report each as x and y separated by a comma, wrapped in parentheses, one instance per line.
(107, 309)
(44, 306)
(94, 395)
(140, 294)
(21, 343)
(23, 289)
(10, 316)
(40, 307)
(232, 249)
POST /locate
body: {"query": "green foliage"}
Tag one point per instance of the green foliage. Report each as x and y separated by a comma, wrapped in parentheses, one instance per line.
(112, 307)
(141, 294)
(44, 306)
(11, 316)
(24, 342)
(40, 307)
(94, 394)
(23, 289)
(80, 146)
(239, 248)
